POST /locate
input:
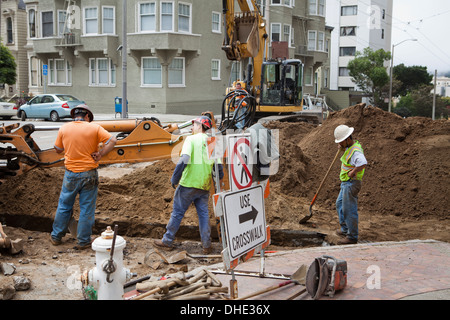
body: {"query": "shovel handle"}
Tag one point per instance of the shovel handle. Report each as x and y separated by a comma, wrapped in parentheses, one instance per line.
(257, 293)
(326, 175)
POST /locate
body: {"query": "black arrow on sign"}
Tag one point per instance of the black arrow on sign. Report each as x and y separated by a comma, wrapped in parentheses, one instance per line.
(248, 216)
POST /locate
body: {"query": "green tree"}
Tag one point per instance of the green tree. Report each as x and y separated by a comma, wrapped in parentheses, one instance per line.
(419, 102)
(411, 78)
(369, 73)
(8, 65)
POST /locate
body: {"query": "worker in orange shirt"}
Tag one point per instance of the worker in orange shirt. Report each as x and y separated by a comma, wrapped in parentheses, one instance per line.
(80, 140)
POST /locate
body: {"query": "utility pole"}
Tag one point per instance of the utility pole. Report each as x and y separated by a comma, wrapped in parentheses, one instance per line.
(434, 95)
(124, 61)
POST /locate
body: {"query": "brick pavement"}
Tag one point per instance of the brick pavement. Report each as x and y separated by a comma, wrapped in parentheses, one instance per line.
(376, 271)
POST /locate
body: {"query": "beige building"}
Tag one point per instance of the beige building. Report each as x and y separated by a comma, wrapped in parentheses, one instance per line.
(13, 32)
(174, 59)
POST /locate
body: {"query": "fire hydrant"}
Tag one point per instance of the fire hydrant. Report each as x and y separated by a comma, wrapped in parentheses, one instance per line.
(109, 275)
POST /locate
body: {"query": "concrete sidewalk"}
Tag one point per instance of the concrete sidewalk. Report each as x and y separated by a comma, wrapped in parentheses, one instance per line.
(376, 271)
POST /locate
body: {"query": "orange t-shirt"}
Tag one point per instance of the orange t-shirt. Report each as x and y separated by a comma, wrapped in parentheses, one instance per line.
(80, 139)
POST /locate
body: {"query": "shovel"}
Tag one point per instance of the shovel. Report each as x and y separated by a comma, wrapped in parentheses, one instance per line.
(299, 277)
(306, 218)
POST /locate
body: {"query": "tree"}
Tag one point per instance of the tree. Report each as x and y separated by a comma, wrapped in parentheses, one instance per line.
(369, 73)
(419, 102)
(8, 65)
(411, 78)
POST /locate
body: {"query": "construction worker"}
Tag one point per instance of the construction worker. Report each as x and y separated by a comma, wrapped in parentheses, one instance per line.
(352, 170)
(239, 100)
(80, 140)
(193, 174)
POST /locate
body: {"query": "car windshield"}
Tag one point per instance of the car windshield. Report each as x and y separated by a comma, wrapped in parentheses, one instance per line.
(66, 97)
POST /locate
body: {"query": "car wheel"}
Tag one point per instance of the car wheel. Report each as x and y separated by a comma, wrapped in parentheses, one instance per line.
(23, 116)
(54, 116)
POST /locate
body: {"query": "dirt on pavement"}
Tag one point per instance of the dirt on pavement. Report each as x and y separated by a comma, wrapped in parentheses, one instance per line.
(404, 196)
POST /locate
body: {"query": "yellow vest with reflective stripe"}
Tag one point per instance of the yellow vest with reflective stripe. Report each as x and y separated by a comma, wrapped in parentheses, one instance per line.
(346, 167)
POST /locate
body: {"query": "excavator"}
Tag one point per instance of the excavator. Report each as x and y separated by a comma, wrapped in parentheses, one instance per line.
(274, 87)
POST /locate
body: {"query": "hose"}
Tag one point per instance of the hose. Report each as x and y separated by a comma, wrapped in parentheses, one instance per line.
(231, 114)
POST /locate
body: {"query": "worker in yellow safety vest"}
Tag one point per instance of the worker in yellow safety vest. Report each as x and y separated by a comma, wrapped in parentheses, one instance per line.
(352, 171)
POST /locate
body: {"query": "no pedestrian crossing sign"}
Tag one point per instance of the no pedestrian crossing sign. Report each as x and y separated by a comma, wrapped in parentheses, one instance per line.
(240, 161)
(245, 220)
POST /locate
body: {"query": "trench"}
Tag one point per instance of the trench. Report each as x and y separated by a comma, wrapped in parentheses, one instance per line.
(279, 237)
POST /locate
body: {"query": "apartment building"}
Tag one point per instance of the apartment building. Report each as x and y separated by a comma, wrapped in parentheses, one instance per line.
(357, 25)
(174, 59)
(13, 36)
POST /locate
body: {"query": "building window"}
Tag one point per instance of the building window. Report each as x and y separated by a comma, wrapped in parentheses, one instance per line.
(166, 16)
(313, 7)
(325, 78)
(108, 20)
(47, 24)
(176, 73)
(309, 76)
(90, 21)
(147, 17)
(184, 17)
(347, 51)
(151, 72)
(382, 33)
(321, 8)
(32, 23)
(312, 40)
(276, 31)
(216, 23)
(215, 69)
(287, 33)
(9, 30)
(320, 41)
(102, 72)
(349, 10)
(62, 23)
(236, 71)
(59, 72)
(262, 6)
(348, 31)
(276, 2)
(344, 72)
(35, 65)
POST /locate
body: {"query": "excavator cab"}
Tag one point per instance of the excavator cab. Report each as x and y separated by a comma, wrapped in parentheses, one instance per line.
(281, 83)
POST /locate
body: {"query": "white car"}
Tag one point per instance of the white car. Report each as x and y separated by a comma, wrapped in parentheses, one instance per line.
(7, 109)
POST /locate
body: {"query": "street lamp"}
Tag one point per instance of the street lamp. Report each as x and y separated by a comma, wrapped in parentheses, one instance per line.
(392, 67)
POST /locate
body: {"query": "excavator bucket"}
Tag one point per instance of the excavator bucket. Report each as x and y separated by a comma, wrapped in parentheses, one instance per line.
(253, 40)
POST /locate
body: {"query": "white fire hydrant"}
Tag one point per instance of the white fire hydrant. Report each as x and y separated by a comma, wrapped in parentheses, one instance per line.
(109, 275)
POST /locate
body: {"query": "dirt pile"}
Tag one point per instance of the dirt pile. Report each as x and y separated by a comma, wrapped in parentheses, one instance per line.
(404, 194)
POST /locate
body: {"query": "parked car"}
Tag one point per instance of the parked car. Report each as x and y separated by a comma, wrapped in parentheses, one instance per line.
(7, 109)
(48, 106)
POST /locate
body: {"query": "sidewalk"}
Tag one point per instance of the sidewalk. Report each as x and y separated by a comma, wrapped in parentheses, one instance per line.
(411, 269)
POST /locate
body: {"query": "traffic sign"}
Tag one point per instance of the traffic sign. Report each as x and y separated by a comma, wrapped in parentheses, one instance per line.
(45, 69)
(244, 220)
(240, 160)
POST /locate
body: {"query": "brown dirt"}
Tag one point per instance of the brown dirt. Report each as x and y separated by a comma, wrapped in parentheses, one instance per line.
(404, 194)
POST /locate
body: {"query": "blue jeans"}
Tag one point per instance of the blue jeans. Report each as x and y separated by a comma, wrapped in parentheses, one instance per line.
(84, 184)
(181, 201)
(347, 208)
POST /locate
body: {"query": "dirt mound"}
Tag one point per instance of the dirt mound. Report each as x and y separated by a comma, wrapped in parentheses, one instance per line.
(404, 194)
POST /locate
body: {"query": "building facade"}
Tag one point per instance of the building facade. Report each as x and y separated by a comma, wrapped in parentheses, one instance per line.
(175, 63)
(13, 36)
(357, 25)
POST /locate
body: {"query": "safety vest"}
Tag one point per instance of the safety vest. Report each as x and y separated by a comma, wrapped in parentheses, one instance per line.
(346, 167)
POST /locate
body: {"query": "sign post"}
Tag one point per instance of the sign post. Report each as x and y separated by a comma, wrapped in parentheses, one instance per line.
(45, 74)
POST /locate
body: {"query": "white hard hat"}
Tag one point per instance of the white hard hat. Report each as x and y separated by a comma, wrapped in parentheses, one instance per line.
(342, 132)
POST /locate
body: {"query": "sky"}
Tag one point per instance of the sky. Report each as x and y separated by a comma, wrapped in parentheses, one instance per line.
(429, 23)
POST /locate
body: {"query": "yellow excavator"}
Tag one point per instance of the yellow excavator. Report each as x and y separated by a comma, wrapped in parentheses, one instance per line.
(272, 86)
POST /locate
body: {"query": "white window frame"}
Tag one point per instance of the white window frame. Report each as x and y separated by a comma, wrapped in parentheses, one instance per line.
(309, 84)
(42, 24)
(85, 20)
(94, 78)
(36, 72)
(113, 20)
(234, 76)
(140, 16)
(321, 41)
(219, 27)
(315, 40)
(213, 77)
(272, 33)
(321, 8)
(53, 79)
(61, 23)
(287, 34)
(183, 74)
(29, 22)
(189, 31)
(161, 16)
(143, 85)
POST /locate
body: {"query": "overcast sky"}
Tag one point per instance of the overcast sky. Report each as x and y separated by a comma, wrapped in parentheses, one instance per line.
(429, 23)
